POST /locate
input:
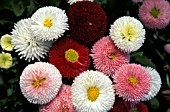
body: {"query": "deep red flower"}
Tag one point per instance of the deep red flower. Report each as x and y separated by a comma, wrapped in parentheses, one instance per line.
(87, 21)
(70, 57)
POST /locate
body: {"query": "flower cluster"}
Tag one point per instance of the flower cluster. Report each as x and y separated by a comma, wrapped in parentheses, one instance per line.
(96, 61)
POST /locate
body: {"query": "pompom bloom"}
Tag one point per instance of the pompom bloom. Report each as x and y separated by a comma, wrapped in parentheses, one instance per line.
(155, 84)
(107, 57)
(5, 60)
(49, 23)
(74, 1)
(70, 57)
(87, 21)
(6, 42)
(61, 103)
(40, 82)
(92, 91)
(155, 13)
(132, 82)
(25, 44)
(127, 33)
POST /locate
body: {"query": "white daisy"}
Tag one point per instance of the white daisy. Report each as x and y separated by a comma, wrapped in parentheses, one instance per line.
(74, 1)
(155, 84)
(92, 91)
(49, 23)
(127, 33)
(25, 44)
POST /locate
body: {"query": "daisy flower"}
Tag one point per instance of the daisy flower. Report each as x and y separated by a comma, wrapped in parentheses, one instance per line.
(155, 13)
(25, 44)
(40, 82)
(132, 82)
(61, 103)
(74, 1)
(127, 33)
(70, 57)
(87, 21)
(107, 57)
(49, 23)
(6, 42)
(5, 60)
(155, 84)
(92, 91)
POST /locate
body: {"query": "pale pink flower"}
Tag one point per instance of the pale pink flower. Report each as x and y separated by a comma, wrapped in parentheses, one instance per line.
(40, 82)
(61, 103)
(107, 57)
(155, 13)
(132, 82)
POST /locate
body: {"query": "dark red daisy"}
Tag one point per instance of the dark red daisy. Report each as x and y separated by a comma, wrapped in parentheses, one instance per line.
(70, 57)
(87, 21)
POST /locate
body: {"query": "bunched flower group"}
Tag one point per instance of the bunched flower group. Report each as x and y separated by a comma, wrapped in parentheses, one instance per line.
(75, 64)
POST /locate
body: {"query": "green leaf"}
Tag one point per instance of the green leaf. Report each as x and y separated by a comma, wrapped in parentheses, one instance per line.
(142, 59)
(33, 5)
(168, 80)
(154, 103)
(16, 6)
(1, 81)
(9, 91)
(3, 22)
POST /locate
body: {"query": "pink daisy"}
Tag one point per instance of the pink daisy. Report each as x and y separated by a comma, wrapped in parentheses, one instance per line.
(40, 82)
(155, 13)
(107, 57)
(61, 103)
(132, 82)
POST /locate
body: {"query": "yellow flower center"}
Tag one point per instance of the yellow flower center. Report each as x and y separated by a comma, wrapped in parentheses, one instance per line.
(132, 81)
(93, 93)
(112, 56)
(63, 109)
(129, 32)
(38, 83)
(155, 12)
(48, 22)
(71, 55)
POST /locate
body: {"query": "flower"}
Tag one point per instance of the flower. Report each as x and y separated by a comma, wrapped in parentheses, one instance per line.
(61, 103)
(74, 1)
(70, 57)
(119, 106)
(155, 84)
(5, 60)
(139, 107)
(49, 23)
(40, 82)
(92, 91)
(127, 33)
(155, 13)
(132, 82)
(87, 21)
(107, 57)
(25, 44)
(6, 42)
